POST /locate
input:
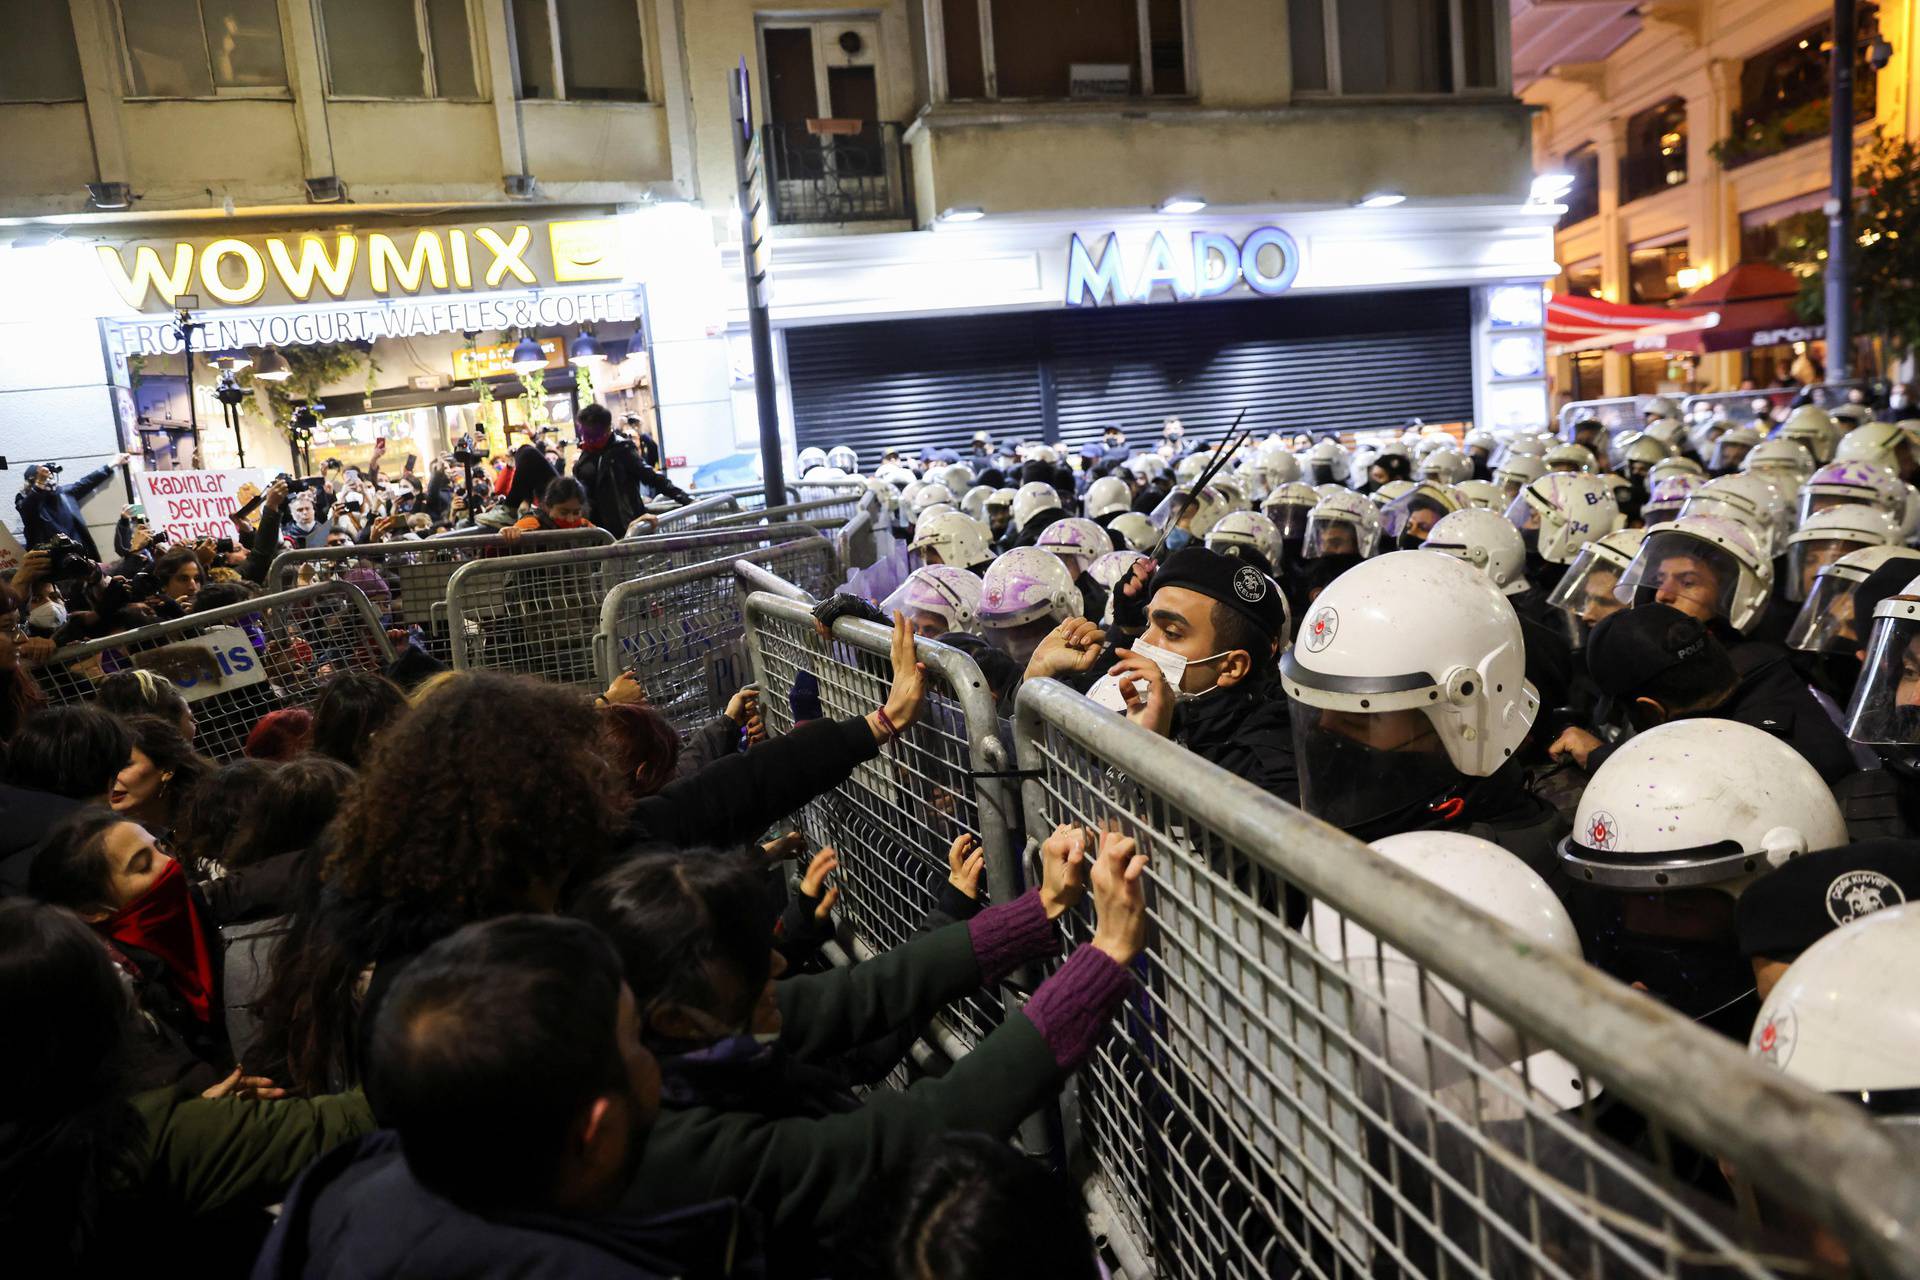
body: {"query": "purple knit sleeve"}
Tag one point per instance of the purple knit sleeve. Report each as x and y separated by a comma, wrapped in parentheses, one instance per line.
(1011, 934)
(1073, 1008)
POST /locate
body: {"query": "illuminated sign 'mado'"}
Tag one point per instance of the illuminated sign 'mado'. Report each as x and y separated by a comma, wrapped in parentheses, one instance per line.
(1266, 261)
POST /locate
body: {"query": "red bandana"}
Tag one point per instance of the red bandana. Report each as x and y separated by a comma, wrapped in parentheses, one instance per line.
(164, 922)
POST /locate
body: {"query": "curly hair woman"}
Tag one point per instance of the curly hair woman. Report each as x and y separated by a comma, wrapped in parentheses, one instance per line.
(425, 844)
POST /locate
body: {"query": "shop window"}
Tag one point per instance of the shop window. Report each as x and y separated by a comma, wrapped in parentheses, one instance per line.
(1583, 198)
(579, 50)
(1391, 48)
(399, 49)
(1054, 49)
(1785, 95)
(1587, 375)
(1656, 155)
(201, 48)
(52, 74)
(1582, 279)
(1653, 273)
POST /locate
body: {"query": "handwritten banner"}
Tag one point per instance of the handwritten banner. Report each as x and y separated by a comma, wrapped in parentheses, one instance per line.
(190, 505)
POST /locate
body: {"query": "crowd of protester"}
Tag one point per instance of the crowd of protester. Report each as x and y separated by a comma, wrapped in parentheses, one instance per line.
(345, 1005)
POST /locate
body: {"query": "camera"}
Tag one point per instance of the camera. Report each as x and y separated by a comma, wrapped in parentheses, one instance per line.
(67, 559)
(465, 454)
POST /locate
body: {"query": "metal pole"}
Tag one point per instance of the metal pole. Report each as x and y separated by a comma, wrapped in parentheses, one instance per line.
(749, 162)
(1839, 207)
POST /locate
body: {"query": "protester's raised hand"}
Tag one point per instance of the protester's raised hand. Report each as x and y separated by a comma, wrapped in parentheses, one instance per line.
(814, 887)
(908, 695)
(1120, 898)
(1074, 645)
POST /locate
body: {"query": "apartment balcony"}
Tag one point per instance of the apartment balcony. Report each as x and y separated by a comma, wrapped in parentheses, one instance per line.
(836, 171)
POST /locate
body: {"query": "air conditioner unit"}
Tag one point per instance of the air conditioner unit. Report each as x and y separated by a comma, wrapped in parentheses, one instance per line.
(1099, 80)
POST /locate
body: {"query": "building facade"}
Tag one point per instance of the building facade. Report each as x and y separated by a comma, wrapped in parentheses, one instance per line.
(1030, 218)
(1696, 145)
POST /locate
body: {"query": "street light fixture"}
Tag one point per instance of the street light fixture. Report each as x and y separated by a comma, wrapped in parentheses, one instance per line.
(527, 356)
(272, 367)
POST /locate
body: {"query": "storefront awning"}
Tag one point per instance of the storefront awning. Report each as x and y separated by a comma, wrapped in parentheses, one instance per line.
(1584, 324)
(1755, 302)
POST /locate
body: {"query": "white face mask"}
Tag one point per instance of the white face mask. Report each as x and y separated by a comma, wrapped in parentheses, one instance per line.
(50, 616)
(1106, 690)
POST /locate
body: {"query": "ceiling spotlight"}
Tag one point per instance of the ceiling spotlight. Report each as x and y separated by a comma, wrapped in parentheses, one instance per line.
(272, 367)
(584, 349)
(527, 356)
(963, 213)
(1381, 199)
(1182, 204)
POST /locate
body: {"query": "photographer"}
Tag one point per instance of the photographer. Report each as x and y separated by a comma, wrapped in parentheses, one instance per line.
(48, 508)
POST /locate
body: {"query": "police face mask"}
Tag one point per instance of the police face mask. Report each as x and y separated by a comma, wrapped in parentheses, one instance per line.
(1106, 690)
(1178, 538)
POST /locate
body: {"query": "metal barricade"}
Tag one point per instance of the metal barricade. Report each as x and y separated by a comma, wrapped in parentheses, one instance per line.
(1621, 413)
(537, 614)
(236, 663)
(1748, 406)
(1281, 1098)
(683, 633)
(694, 515)
(818, 511)
(421, 568)
(894, 819)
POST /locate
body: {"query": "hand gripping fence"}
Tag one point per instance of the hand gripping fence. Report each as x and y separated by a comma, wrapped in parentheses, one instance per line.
(893, 821)
(422, 569)
(1279, 1099)
(682, 633)
(236, 663)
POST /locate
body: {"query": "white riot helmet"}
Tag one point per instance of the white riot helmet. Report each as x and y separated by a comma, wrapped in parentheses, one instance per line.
(1408, 675)
(974, 501)
(948, 597)
(1078, 542)
(926, 496)
(1643, 451)
(958, 477)
(1208, 506)
(1667, 494)
(1587, 590)
(1698, 803)
(1342, 524)
(1326, 463)
(937, 509)
(1676, 466)
(1112, 568)
(1827, 622)
(1422, 1007)
(1407, 517)
(1570, 457)
(1041, 453)
(952, 538)
(1517, 472)
(1288, 506)
(1659, 407)
(1188, 469)
(809, 459)
(1841, 483)
(1232, 493)
(1828, 535)
(1813, 427)
(1885, 710)
(1030, 499)
(1485, 441)
(1241, 532)
(845, 457)
(1108, 496)
(1730, 450)
(1877, 443)
(1135, 529)
(1487, 541)
(1280, 465)
(1446, 465)
(1024, 595)
(1481, 495)
(1384, 494)
(1002, 498)
(1747, 500)
(1705, 566)
(1779, 456)
(1565, 510)
(1843, 1018)
(824, 473)
(896, 475)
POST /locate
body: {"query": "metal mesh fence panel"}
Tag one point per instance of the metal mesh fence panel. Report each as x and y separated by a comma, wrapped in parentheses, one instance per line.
(237, 663)
(829, 512)
(695, 515)
(417, 571)
(1399, 1085)
(1622, 413)
(537, 615)
(683, 634)
(894, 820)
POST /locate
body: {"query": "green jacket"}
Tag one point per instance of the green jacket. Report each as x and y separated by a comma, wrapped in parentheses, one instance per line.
(196, 1155)
(810, 1176)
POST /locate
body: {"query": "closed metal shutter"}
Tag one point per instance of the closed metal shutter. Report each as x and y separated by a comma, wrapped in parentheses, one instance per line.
(1317, 364)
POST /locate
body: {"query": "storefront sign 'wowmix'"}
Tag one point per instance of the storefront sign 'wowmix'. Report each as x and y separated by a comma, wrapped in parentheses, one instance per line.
(191, 505)
(1202, 264)
(273, 270)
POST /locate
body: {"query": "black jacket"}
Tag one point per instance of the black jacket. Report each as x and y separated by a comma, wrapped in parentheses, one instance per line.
(1247, 731)
(358, 1212)
(613, 477)
(26, 817)
(46, 512)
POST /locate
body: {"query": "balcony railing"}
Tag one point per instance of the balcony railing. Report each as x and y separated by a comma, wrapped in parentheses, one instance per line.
(837, 171)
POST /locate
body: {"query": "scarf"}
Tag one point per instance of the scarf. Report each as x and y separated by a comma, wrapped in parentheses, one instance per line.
(165, 923)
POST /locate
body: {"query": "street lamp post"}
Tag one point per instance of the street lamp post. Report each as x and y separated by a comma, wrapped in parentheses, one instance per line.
(1839, 206)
